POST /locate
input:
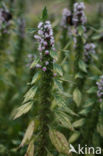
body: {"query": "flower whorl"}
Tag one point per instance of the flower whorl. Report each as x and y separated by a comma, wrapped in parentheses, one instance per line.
(46, 43)
(79, 15)
(89, 49)
(66, 18)
(100, 89)
(5, 17)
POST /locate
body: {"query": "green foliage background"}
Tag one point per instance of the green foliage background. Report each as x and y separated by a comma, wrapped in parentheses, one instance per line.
(15, 72)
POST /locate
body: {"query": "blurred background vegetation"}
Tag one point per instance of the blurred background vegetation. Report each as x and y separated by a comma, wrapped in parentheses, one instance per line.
(17, 50)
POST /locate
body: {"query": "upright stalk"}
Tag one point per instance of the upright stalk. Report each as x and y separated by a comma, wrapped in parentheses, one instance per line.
(41, 94)
(71, 4)
(18, 58)
(79, 20)
(45, 94)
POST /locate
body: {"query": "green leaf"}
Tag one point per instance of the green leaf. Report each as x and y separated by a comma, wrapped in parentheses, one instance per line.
(59, 85)
(100, 129)
(35, 78)
(77, 96)
(30, 94)
(96, 37)
(95, 70)
(28, 134)
(74, 137)
(80, 30)
(59, 141)
(84, 111)
(60, 101)
(34, 63)
(78, 75)
(30, 149)
(22, 110)
(69, 111)
(58, 69)
(64, 121)
(82, 66)
(89, 103)
(92, 90)
(53, 54)
(95, 57)
(44, 14)
(49, 154)
(79, 123)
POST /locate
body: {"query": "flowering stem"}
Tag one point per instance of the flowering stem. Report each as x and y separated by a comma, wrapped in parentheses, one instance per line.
(45, 103)
(71, 4)
(46, 44)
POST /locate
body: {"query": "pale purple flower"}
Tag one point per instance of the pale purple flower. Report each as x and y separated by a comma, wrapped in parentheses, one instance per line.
(46, 63)
(55, 74)
(40, 32)
(37, 37)
(65, 18)
(46, 52)
(38, 66)
(40, 48)
(47, 22)
(45, 43)
(45, 39)
(40, 25)
(53, 49)
(89, 49)
(44, 69)
(79, 15)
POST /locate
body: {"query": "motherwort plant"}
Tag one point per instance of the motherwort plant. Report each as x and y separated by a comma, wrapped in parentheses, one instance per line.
(5, 22)
(44, 96)
(18, 61)
(88, 111)
(66, 38)
(79, 20)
